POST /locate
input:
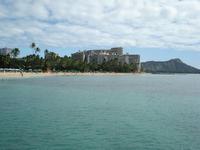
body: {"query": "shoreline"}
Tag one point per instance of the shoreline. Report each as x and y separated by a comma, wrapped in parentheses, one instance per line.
(8, 75)
(17, 75)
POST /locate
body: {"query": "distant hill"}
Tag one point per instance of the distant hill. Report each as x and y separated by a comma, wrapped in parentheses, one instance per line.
(171, 66)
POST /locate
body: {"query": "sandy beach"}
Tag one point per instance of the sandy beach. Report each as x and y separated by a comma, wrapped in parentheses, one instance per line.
(25, 74)
(4, 75)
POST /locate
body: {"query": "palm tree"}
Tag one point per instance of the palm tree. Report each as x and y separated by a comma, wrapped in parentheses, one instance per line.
(33, 46)
(15, 52)
(45, 53)
(37, 50)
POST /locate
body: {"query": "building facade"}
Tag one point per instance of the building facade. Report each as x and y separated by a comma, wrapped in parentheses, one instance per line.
(129, 59)
(97, 56)
(105, 55)
(5, 51)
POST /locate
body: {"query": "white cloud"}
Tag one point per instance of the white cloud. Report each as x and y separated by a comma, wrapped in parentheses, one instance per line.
(61, 23)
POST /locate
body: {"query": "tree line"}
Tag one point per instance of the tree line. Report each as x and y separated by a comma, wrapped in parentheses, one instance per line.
(53, 62)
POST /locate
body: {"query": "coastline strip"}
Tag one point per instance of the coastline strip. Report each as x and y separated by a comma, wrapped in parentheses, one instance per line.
(5, 75)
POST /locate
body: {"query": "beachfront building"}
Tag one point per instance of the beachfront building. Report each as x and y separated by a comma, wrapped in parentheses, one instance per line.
(5, 51)
(129, 59)
(97, 56)
(105, 55)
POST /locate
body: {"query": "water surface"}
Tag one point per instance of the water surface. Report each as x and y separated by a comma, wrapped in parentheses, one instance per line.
(142, 112)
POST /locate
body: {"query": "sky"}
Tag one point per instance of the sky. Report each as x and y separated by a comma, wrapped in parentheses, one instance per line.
(155, 29)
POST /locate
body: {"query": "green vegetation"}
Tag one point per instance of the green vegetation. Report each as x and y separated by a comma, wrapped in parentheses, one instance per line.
(15, 52)
(54, 62)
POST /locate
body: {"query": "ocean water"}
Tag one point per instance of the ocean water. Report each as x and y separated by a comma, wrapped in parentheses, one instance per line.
(133, 112)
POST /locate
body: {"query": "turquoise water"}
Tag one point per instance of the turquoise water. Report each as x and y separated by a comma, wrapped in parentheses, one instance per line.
(140, 112)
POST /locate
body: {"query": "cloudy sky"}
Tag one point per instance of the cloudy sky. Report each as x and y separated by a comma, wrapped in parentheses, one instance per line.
(156, 29)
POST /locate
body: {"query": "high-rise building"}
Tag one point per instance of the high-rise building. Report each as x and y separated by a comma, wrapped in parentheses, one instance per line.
(104, 55)
(5, 51)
